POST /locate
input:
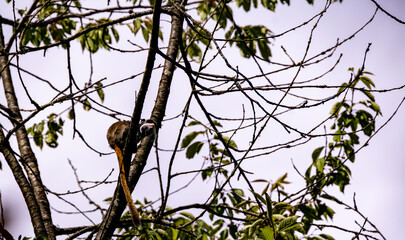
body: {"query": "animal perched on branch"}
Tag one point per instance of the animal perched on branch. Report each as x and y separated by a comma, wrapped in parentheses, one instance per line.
(116, 136)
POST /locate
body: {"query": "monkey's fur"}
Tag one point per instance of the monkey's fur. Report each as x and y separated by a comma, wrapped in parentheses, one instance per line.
(116, 136)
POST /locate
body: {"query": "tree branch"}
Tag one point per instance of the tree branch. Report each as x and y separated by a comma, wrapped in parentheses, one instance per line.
(117, 206)
(24, 185)
(28, 156)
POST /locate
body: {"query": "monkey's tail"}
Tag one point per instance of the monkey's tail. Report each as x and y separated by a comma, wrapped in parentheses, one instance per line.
(134, 213)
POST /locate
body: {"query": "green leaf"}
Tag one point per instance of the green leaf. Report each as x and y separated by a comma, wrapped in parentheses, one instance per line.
(375, 107)
(86, 105)
(269, 4)
(216, 123)
(325, 236)
(193, 123)
(329, 212)
(101, 95)
(308, 211)
(193, 149)
(20, 11)
(349, 151)
(367, 81)
(253, 227)
(189, 138)
(194, 50)
(259, 197)
(91, 45)
(137, 23)
(229, 34)
(337, 137)
(51, 139)
(289, 223)
(100, 91)
(342, 88)
(366, 121)
(71, 114)
(320, 164)
(30, 130)
(207, 173)
(40, 127)
(145, 33)
(233, 229)
(39, 140)
(238, 191)
(336, 108)
(269, 208)
(280, 182)
(316, 153)
(280, 207)
(267, 233)
(264, 49)
(174, 233)
(229, 142)
(115, 34)
(159, 234)
(245, 4)
(266, 188)
(188, 215)
(368, 94)
(244, 50)
(25, 38)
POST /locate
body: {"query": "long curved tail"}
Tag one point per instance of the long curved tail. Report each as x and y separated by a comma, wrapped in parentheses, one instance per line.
(134, 213)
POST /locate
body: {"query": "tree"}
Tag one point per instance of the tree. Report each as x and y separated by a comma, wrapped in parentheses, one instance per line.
(220, 120)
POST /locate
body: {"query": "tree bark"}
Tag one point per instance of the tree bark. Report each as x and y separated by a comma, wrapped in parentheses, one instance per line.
(28, 157)
(117, 205)
(26, 190)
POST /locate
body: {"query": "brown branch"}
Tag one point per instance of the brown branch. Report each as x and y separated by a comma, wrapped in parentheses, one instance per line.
(6, 21)
(117, 205)
(387, 13)
(87, 30)
(31, 166)
(19, 27)
(211, 209)
(24, 185)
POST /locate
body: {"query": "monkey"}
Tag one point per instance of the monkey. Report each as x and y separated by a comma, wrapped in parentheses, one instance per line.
(116, 136)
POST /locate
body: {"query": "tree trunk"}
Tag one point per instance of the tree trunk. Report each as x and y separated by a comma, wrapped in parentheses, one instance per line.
(29, 160)
(107, 227)
(26, 190)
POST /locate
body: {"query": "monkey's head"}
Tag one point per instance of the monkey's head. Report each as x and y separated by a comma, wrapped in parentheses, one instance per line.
(118, 132)
(146, 128)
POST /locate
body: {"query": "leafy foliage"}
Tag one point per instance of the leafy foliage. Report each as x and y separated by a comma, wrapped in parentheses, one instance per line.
(145, 25)
(331, 168)
(99, 37)
(249, 38)
(217, 156)
(282, 220)
(233, 213)
(53, 126)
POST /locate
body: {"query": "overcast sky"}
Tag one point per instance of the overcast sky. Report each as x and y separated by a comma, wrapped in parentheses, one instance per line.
(378, 174)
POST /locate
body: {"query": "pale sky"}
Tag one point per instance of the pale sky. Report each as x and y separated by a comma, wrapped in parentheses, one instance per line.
(377, 175)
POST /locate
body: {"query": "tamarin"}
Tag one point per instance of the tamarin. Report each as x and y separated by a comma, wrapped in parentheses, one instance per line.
(116, 136)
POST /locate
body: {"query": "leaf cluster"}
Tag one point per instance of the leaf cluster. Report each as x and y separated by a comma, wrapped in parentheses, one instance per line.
(53, 128)
(330, 167)
(55, 31)
(239, 216)
(218, 156)
(99, 37)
